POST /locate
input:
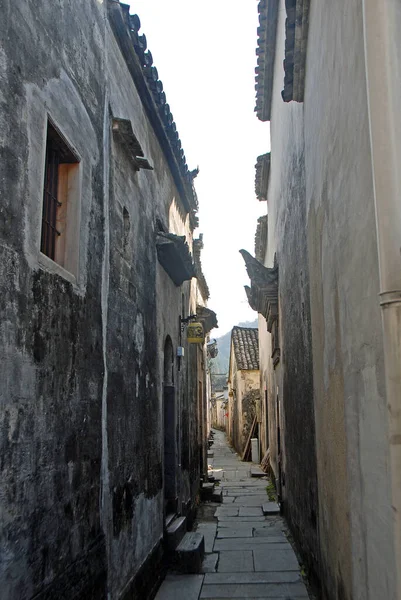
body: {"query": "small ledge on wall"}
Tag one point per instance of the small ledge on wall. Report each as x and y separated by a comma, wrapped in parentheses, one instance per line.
(122, 131)
(174, 256)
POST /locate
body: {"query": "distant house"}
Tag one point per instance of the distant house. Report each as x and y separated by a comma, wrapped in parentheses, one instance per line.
(243, 385)
(218, 408)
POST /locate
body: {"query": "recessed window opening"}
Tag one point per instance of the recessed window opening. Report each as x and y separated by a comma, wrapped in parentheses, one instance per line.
(60, 201)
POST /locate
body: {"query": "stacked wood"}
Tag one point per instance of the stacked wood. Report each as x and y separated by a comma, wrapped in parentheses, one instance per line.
(248, 447)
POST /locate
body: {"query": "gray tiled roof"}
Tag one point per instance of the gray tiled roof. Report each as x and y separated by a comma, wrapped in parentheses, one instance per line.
(246, 347)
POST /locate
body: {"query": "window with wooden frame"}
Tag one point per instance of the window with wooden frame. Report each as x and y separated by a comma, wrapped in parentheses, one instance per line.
(61, 202)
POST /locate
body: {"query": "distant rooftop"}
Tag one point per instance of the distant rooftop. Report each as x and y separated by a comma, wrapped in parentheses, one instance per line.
(246, 348)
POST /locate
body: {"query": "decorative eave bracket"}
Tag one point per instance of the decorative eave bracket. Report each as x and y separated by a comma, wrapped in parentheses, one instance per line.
(174, 256)
(262, 170)
(122, 131)
(263, 293)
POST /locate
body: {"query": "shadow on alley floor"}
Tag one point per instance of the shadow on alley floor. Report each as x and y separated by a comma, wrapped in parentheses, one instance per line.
(247, 554)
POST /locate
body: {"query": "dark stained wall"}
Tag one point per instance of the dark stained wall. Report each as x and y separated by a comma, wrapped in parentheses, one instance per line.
(299, 470)
(50, 329)
(81, 375)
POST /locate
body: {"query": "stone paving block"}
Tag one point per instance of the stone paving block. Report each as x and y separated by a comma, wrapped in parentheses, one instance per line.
(269, 532)
(250, 500)
(228, 532)
(252, 544)
(250, 511)
(243, 492)
(228, 511)
(236, 523)
(270, 508)
(230, 520)
(209, 533)
(256, 590)
(235, 561)
(180, 587)
(209, 564)
(257, 577)
(274, 558)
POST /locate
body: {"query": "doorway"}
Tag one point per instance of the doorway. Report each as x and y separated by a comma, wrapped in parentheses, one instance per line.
(169, 426)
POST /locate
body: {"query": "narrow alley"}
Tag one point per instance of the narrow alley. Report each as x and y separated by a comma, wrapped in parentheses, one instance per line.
(247, 554)
(200, 308)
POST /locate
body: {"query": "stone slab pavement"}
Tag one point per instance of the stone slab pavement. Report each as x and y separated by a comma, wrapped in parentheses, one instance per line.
(248, 555)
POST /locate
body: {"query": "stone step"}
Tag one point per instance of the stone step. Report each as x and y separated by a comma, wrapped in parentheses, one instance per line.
(175, 532)
(271, 508)
(189, 553)
(217, 496)
(257, 472)
(180, 587)
(206, 491)
(169, 519)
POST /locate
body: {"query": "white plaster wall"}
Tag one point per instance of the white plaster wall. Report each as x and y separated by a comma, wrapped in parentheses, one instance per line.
(331, 128)
(347, 336)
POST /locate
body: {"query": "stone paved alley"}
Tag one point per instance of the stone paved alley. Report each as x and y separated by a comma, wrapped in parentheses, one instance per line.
(247, 554)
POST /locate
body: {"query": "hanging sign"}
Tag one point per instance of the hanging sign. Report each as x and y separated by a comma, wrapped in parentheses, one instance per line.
(195, 333)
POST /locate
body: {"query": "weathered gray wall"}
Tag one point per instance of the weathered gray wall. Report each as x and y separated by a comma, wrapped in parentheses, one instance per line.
(81, 383)
(50, 329)
(357, 558)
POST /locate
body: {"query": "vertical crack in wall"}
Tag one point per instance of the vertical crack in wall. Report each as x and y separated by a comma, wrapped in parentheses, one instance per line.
(105, 513)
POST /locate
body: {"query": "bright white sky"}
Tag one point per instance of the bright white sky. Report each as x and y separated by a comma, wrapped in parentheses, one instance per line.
(204, 52)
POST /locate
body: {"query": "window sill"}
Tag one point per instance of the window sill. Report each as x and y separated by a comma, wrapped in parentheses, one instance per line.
(47, 264)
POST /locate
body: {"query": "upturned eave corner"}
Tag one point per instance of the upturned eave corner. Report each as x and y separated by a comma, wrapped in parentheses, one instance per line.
(265, 51)
(263, 293)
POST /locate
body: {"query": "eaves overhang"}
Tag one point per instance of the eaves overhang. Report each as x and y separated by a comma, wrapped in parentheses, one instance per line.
(266, 52)
(174, 256)
(139, 61)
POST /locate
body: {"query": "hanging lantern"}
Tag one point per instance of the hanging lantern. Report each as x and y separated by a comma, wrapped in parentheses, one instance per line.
(195, 333)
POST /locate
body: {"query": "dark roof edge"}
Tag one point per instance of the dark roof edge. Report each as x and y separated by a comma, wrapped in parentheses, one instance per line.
(266, 52)
(296, 40)
(139, 62)
(197, 248)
